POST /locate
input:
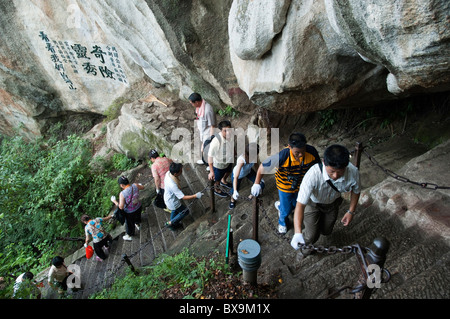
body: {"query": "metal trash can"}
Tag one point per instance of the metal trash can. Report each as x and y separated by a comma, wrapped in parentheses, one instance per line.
(249, 258)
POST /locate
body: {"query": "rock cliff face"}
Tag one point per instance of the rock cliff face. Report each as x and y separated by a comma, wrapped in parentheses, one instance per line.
(60, 57)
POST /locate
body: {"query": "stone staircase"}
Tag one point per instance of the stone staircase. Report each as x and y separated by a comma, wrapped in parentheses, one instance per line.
(151, 240)
(418, 261)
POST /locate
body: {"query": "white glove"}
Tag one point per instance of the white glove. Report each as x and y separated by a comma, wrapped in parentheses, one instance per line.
(113, 198)
(235, 195)
(85, 245)
(199, 195)
(157, 191)
(256, 190)
(296, 240)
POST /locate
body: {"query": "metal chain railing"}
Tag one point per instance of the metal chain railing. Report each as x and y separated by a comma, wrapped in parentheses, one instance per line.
(355, 249)
(363, 254)
(400, 178)
(320, 249)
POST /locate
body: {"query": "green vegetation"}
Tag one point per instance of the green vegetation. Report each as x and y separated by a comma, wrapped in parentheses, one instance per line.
(113, 110)
(189, 274)
(122, 163)
(229, 112)
(327, 120)
(46, 186)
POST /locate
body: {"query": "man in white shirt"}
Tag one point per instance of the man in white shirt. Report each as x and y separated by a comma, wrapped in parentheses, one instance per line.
(173, 195)
(206, 119)
(319, 196)
(221, 155)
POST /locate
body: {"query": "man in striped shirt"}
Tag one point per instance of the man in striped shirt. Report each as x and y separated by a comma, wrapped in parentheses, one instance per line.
(319, 196)
(292, 163)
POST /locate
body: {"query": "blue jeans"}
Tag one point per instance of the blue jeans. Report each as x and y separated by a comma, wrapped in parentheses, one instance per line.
(178, 214)
(251, 176)
(288, 201)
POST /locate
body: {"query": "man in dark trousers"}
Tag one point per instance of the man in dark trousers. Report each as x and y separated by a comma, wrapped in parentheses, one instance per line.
(319, 197)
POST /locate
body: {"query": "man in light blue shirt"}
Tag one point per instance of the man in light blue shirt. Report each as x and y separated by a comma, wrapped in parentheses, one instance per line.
(319, 196)
(173, 195)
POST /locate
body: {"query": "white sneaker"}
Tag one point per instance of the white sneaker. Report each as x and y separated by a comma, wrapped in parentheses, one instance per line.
(200, 162)
(277, 206)
(282, 229)
(127, 237)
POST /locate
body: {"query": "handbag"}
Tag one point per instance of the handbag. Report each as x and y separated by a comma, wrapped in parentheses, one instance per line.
(159, 201)
(89, 252)
(118, 215)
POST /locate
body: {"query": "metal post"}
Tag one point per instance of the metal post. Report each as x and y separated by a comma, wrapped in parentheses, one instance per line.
(255, 217)
(128, 261)
(371, 257)
(231, 252)
(358, 152)
(227, 251)
(213, 202)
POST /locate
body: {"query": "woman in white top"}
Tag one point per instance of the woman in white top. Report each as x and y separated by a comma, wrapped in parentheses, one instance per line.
(244, 168)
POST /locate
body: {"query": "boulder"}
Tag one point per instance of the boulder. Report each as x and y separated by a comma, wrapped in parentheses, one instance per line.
(408, 38)
(422, 193)
(289, 57)
(299, 66)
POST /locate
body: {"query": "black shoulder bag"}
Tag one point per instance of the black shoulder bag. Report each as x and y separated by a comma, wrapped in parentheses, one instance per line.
(328, 180)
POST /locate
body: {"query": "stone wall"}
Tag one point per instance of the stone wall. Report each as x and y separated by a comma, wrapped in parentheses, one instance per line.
(289, 57)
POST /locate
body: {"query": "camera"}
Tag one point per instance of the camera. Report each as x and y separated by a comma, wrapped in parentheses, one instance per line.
(294, 179)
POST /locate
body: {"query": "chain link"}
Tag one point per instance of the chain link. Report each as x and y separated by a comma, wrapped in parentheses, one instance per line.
(402, 178)
(331, 250)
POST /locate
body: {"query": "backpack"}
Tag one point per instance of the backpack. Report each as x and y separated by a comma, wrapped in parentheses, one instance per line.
(206, 149)
(159, 201)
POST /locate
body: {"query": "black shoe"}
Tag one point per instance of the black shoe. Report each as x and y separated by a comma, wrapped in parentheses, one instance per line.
(229, 185)
(232, 205)
(220, 194)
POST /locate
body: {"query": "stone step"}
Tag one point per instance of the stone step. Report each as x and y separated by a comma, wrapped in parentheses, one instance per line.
(191, 175)
(415, 261)
(155, 223)
(147, 253)
(431, 283)
(418, 262)
(318, 275)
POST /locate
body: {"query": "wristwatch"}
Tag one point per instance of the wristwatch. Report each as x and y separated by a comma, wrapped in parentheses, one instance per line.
(351, 213)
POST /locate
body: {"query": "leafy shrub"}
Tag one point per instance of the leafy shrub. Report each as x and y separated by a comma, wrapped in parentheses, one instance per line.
(183, 270)
(122, 163)
(327, 119)
(46, 187)
(229, 111)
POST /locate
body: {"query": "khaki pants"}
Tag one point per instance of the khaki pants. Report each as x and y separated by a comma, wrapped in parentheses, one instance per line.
(319, 219)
